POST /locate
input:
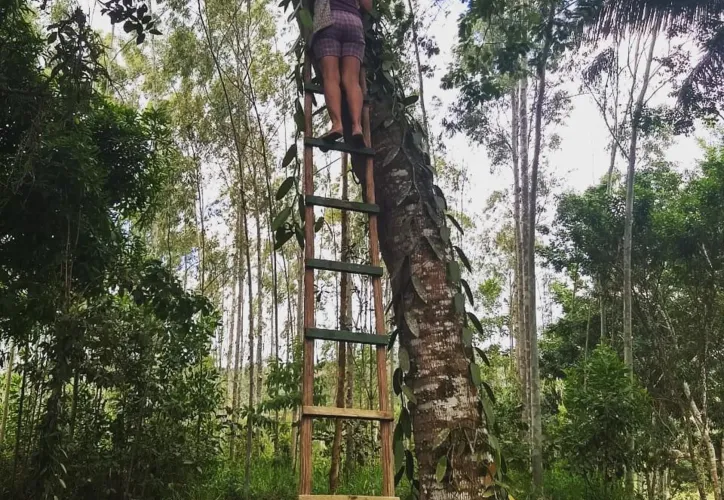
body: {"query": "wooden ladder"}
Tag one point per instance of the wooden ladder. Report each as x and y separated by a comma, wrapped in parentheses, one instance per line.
(384, 415)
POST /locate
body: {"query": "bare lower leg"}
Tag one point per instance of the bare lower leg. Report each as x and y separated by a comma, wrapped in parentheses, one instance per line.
(350, 81)
(332, 91)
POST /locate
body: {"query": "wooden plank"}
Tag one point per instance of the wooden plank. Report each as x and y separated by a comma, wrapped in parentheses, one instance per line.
(386, 457)
(342, 267)
(347, 336)
(337, 146)
(345, 497)
(305, 429)
(354, 206)
(355, 413)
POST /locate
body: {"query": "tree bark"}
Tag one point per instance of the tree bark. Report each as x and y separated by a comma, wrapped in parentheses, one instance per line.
(628, 231)
(706, 439)
(525, 233)
(238, 346)
(518, 297)
(345, 302)
(699, 479)
(6, 394)
(409, 225)
(536, 425)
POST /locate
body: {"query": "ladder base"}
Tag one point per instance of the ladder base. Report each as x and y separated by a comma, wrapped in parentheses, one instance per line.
(334, 412)
(345, 497)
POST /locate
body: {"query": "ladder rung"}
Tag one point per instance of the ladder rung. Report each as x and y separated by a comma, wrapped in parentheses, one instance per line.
(346, 336)
(338, 146)
(355, 206)
(344, 267)
(334, 412)
(345, 497)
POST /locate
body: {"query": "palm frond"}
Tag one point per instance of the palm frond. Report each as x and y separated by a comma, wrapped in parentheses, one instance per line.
(642, 15)
(707, 77)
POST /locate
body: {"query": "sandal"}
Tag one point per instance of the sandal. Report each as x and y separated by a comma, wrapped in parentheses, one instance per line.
(331, 136)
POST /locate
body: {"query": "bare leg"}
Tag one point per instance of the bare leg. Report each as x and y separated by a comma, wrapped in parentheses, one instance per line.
(332, 91)
(350, 81)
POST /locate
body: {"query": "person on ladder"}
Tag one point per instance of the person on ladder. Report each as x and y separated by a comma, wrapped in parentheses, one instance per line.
(338, 44)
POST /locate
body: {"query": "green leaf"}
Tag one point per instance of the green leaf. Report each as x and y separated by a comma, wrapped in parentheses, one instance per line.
(445, 234)
(433, 246)
(489, 391)
(146, 19)
(397, 381)
(285, 187)
(140, 38)
(282, 235)
(476, 322)
(62, 483)
(441, 469)
(281, 218)
(154, 31)
(404, 360)
(128, 26)
(467, 337)
(300, 236)
(52, 37)
(399, 453)
(306, 18)
(290, 155)
(468, 292)
(463, 258)
(318, 225)
(459, 302)
(493, 442)
(453, 271)
(482, 356)
(398, 475)
(407, 391)
(393, 337)
(410, 100)
(441, 439)
(475, 374)
(419, 289)
(301, 208)
(488, 410)
(456, 224)
(405, 422)
(409, 465)
(441, 204)
(412, 324)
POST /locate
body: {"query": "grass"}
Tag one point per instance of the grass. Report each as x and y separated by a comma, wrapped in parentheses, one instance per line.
(276, 480)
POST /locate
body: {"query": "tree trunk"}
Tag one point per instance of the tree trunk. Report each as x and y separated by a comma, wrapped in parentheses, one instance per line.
(409, 225)
(73, 406)
(300, 337)
(249, 419)
(628, 232)
(6, 394)
(525, 233)
(230, 367)
(698, 477)
(518, 282)
(238, 346)
(345, 302)
(535, 411)
(421, 86)
(350, 426)
(706, 440)
(260, 306)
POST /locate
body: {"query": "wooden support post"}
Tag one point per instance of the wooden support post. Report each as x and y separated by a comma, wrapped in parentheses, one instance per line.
(305, 435)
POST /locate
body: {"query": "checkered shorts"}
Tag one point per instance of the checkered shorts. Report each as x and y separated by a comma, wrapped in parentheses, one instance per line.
(344, 38)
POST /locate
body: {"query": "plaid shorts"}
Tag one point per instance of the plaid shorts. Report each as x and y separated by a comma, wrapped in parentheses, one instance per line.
(344, 38)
